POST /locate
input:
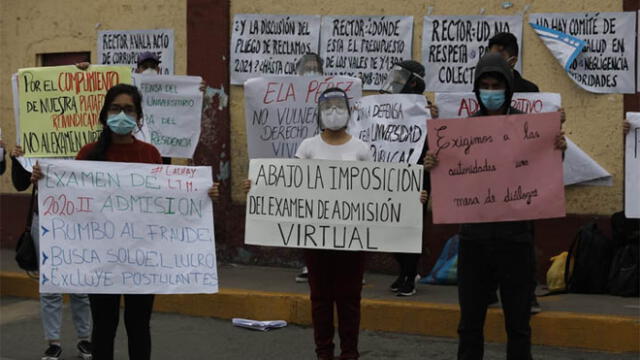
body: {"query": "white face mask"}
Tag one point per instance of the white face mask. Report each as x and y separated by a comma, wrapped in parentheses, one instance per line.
(150, 71)
(334, 118)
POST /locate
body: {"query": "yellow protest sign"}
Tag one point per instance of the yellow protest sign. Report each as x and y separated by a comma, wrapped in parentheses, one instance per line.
(60, 106)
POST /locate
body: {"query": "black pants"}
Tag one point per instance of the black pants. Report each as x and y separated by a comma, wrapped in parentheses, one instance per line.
(480, 263)
(105, 310)
(408, 264)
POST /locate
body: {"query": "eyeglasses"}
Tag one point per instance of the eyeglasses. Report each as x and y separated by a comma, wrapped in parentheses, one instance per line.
(116, 109)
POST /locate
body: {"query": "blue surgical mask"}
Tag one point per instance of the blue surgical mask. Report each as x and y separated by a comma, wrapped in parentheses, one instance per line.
(492, 99)
(121, 123)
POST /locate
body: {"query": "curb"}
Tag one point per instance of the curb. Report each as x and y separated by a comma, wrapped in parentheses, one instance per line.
(560, 329)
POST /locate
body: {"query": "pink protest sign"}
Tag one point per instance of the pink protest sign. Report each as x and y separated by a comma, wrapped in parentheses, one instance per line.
(496, 168)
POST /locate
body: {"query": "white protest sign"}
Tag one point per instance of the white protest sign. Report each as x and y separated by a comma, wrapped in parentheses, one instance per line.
(172, 108)
(394, 126)
(265, 44)
(365, 46)
(606, 64)
(122, 228)
(337, 205)
(452, 46)
(16, 105)
(456, 105)
(122, 47)
(281, 111)
(632, 167)
(579, 168)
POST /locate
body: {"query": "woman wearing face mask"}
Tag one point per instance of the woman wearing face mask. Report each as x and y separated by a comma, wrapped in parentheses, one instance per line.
(120, 116)
(335, 276)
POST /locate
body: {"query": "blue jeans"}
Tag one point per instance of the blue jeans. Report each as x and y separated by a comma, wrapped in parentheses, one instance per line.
(51, 304)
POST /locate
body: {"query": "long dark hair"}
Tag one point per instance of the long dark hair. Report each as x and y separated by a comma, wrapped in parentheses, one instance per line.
(102, 145)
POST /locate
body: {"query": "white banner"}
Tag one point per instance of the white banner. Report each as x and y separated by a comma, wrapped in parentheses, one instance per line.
(122, 47)
(579, 168)
(394, 126)
(123, 228)
(452, 46)
(265, 44)
(606, 64)
(337, 205)
(281, 111)
(365, 47)
(632, 167)
(172, 109)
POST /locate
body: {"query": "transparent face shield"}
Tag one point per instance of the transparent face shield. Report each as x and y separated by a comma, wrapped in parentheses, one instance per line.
(396, 81)
(309, 65)
(334, 111)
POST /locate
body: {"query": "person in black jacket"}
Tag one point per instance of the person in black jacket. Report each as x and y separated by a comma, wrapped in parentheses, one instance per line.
(497, 251)
(506, 45)
(407, 77)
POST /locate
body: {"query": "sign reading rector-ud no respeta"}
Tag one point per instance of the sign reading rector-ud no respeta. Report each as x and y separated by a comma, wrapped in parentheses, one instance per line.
(122, 228)
(338, 205)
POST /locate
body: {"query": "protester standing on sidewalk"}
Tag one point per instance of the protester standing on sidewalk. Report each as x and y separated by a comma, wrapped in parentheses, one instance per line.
(309, 64)
(51, 304)
(407, 77)
(497, 251)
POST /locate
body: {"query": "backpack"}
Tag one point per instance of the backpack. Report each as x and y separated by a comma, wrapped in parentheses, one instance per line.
(590, 256)
(624, 275)
(445, 271)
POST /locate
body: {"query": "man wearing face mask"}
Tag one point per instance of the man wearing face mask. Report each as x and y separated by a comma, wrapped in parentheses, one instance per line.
(309, 64)
(497, 251)
(406, 77)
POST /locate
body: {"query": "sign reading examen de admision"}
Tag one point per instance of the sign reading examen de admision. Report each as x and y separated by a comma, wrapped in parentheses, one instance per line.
(338, 205)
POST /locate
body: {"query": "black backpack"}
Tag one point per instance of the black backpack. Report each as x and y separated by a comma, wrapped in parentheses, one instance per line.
(590, 256)
(624, 276)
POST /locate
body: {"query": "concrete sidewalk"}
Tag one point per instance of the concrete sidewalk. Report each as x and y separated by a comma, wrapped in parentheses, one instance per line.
(596, 322)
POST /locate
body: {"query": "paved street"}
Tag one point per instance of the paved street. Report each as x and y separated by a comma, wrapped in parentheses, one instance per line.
(184, 337)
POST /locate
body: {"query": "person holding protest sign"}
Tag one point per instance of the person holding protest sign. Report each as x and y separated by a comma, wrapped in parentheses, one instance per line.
(497, 251)
(120, 115)
(51, 304)
(407, 77)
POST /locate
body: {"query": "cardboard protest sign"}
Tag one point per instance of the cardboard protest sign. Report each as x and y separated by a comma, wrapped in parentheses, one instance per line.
(632, 167)
(172, 108)
(116, 228)
(281, 111)
(455, 105)
(265, 44)
(122, 47)
(365, 47)
(579, 167)
(394, 126)
(606, 64)
(496, 168)
(452, 46)
(338, 205)
(60, 105)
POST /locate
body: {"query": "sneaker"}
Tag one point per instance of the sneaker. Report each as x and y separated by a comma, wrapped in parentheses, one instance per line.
(535, 306)
(408, 288)
(303, 276)
(395, 287)
(53, 352)
(493, 301)
(84, 350)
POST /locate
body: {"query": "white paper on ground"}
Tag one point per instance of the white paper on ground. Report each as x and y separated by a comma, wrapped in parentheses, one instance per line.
(259, 325)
